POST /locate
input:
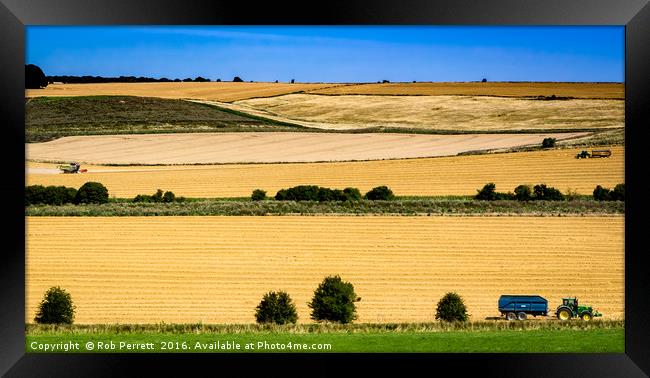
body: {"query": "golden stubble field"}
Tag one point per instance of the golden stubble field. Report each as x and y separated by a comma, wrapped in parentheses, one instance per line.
(265, 147)
(217, 91)
(441, 112)
(521, 89)
(216, 269)
(456, 175)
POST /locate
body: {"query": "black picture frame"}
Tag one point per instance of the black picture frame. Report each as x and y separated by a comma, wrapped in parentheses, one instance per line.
(15, 14)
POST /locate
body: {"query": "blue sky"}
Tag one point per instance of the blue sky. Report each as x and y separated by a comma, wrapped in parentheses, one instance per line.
(333, 53)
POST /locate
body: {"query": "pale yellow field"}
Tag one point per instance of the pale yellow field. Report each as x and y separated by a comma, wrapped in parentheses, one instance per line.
(449, 113)
(582, 90)
(265, 147)
(216, 269)
(456, 175)
(222, 91)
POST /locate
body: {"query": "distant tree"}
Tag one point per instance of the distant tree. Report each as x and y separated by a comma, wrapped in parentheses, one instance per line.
(258, 195)
(385, 81)
(168, 197)
(276, 81)
(522, 193)
(547, 193)
(276, 308)
(484, 80)
(91, 192)
(451, 308)
(548, 142)
(200, 79)
(218, 80)
(293, 81)
(55, 308)
(177, 80)
(414, 81)
(34, 77)
(487, 193)
(380, 193)
(602, 194)
(618, 194)
(237, 79)
(334, 301)
(187, 79)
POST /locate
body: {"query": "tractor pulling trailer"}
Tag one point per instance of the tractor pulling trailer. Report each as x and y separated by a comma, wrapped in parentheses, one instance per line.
(519, 307)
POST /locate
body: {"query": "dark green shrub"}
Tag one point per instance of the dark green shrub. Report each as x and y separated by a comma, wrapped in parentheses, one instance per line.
(547, 193)
(380, 193)
(276, 308)
(142, 198)
(451, 308)
(487, 193)
(50, 195)
(522, 193)
(548, 142)
(55, 308)
(169, 197)
(352, 194)
(91, 192)
(334, 301)
(618, 194)
(258, 195)
(158, 196)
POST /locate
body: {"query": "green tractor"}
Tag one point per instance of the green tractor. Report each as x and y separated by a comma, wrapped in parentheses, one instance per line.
(583, 155)
(570, 309)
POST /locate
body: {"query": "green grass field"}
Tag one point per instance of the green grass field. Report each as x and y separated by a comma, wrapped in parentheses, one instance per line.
(48, 118)
(486, 337)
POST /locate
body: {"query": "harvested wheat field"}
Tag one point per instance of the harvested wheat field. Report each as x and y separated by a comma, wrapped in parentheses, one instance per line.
(522, 89)
(444, 113)
(455, 175)
(264, 147)
(216, 269)
(218, 91)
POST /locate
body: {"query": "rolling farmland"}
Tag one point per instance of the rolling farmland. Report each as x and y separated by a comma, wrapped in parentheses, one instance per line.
(217, 91)
(265, 147)
(455, 175)
(521, 89)
(215, 269)
(439, 113)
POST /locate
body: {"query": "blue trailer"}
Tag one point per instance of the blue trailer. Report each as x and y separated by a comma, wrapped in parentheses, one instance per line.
(519, 306)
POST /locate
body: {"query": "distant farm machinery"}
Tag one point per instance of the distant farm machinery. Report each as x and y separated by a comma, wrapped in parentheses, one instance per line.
(72, 168)
(519, 307)
(594, 154)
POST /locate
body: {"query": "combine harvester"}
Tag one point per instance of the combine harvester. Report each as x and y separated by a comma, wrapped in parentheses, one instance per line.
(72, 168)
(518, 307)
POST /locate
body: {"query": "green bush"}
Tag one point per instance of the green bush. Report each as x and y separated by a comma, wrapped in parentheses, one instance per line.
(548, 142)
(451, 308)
(50, 195)
(276, 308)
(258, 195)
(487, 193)
(523, 193)
(168, 197)
(91, 192)
(618, 194)
(352, 194)
(380, 193)
(55, 308)
(317, 193)
(547, 193)
(334, 301)
(604, 194)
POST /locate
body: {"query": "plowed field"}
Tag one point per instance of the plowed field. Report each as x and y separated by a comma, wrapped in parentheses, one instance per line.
(456, 175)
(222, 91)
(216, 269)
